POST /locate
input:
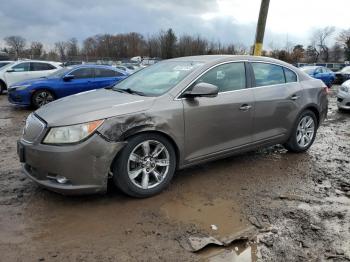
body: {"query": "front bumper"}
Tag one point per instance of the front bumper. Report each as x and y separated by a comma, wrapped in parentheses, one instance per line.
(343, 100)
(19, 97)
(85, 166)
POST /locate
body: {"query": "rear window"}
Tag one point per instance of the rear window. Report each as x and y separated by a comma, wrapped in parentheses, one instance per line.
(268, 74)
(290, 75)
(103, 72)
(41, 66)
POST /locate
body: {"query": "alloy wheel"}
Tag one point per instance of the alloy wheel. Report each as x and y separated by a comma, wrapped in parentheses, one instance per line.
(148, 164)
(305, 131)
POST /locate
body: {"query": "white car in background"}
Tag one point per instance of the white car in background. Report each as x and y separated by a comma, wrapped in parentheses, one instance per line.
(343, 96)
(24, 70)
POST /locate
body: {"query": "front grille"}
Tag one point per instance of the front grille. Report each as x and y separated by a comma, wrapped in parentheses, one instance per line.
(33, 128)
(347, 104)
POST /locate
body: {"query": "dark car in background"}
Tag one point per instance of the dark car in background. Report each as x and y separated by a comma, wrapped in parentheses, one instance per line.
(342, 75)
(64, 82)
(320, 72)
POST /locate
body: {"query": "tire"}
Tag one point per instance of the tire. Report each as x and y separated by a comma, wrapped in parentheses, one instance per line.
(2, 87)
(42, 97)
(141, 174)
(301, 138)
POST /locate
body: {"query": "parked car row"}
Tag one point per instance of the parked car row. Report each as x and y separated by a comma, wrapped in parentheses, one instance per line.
(64, 82)
(320, 72)
(22, 70)
(36, 83)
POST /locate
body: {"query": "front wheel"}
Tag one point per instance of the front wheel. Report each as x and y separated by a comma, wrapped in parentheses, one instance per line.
(303, 133)
(2, 87)
(42, 97)
(145, 166)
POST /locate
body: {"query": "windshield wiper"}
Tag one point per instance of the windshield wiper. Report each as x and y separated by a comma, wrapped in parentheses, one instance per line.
(129, 91)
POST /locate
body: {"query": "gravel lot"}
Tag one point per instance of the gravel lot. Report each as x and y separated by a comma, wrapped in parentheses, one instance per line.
(297, 204)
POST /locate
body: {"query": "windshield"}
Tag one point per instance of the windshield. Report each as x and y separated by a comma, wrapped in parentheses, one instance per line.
(60, 72)
(308, 70)
(157, 79)
(345, 69)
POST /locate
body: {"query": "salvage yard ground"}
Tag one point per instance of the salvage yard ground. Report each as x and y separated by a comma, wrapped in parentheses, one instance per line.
(290, 207)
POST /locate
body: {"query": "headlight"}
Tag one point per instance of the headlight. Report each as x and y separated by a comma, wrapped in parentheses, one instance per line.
(19, 88)
(71, 134)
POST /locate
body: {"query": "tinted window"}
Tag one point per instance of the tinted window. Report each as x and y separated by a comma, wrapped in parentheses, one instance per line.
(268, 74)
(3, 64)
(83, 73)
(22, 67)
(290, 75)
(226, 77)
(102, 72)
(41, 67)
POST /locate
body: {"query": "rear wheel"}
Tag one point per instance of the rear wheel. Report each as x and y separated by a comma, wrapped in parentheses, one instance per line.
(42, 97)
(145, 166)
(304, 133)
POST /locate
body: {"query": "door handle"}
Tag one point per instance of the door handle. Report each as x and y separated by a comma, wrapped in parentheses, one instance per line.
(245, 107)
(295, 97)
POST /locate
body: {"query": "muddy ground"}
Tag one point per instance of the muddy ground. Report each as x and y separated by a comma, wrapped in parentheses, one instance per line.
(297, 205)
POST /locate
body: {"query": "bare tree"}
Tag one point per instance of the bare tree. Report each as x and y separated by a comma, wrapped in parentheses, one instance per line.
(72, 48)
(336, 53)
(16, 44)
(36, 49)
(61, 48)
(320, 38)
(344, 40)
(167, 43)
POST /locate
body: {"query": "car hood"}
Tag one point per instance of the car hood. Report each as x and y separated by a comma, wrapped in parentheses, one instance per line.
(92, 105)
(40, 80)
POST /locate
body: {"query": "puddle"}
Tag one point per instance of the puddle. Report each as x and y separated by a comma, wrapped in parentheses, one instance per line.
(236, 252)
(217, 217)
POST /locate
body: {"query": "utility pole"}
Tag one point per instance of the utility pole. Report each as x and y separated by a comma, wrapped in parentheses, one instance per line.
(260, 28)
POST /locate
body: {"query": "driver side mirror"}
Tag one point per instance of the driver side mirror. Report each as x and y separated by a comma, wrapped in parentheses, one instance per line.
(202, 90)
(10, 71)
(68, 77)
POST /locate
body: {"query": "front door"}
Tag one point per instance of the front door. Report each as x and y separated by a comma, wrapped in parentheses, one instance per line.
(83, 79)
(222, 123)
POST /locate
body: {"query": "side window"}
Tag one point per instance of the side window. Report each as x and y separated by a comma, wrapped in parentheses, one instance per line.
(227, 77)
(103, 72)
(318, 70)
(268, 74)
(22, 67)
(41, 67)
(290, 75)
(83, 73)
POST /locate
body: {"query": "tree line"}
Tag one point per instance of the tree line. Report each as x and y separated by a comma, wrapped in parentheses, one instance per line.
(166, 44)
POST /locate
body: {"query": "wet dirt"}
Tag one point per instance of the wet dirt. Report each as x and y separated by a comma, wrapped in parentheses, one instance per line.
(299, 205)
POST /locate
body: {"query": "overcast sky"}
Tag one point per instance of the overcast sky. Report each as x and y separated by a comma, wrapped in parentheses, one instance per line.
(225, 20)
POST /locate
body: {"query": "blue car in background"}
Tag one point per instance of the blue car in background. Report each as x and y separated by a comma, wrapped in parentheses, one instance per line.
(320, 72)
(64, 82)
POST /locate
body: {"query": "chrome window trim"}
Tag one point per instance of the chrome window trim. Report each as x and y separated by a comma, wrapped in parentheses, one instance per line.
(177, 97)
(272, 63)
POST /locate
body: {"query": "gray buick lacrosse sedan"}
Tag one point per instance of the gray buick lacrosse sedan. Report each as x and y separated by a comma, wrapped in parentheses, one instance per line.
(169, 116)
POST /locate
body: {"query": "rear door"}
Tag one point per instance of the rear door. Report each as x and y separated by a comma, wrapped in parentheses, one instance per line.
(219, 124)
(105, 77)
(277, 92)
(41, 69)
(17, 73)
(83, 79)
